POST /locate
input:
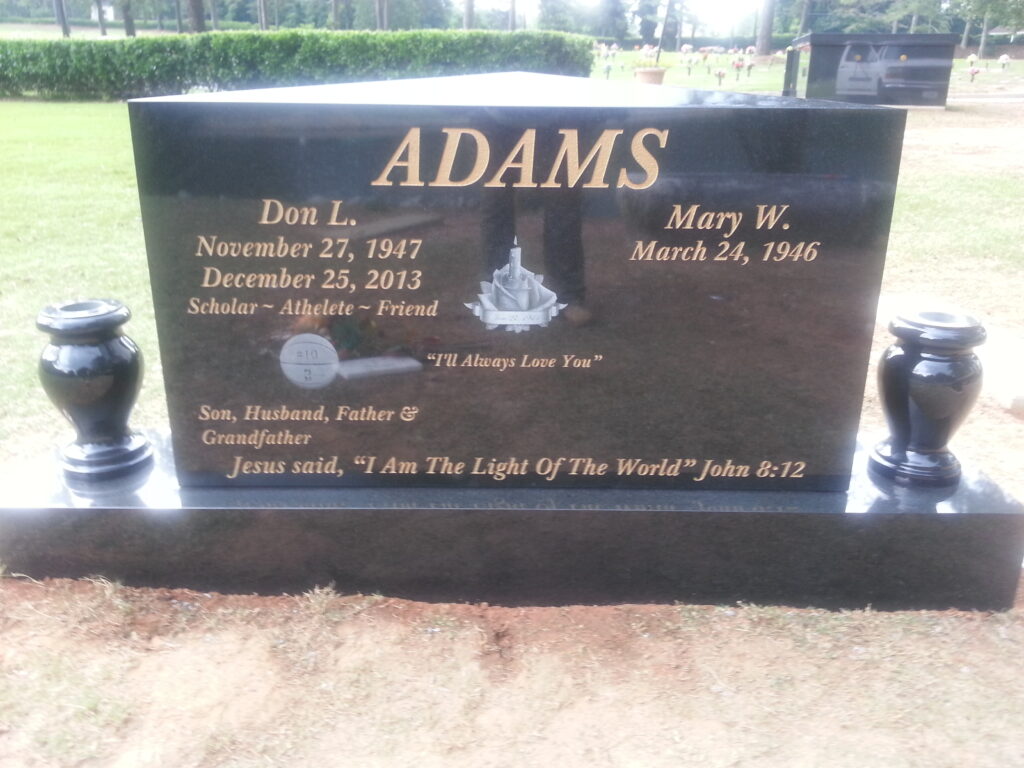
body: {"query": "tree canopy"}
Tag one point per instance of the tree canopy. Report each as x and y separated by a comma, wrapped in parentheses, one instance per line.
(649, 21)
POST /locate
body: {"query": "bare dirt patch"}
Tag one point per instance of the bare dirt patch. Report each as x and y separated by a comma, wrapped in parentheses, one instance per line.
(94, 674)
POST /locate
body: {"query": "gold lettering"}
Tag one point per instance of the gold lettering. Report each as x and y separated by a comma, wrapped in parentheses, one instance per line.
(520, 157)
(769, 215)
(679, 221)
(600, 155)
(647, 162)
(406, 156)
(274, 213)
(727, 221)
(217, 278)
(335, 212)
(451, 148)
(269, 206)
(243, 467)
(727, 468)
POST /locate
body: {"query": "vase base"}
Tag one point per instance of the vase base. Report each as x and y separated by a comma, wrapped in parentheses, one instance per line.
(913, 467)
(87, 462)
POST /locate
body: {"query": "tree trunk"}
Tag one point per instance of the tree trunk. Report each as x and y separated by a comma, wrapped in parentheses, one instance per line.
(99, 18)
(895, 26)
(966, 39)
(60, 13)
(667, 32)
(213, 13)
(467, 15)
(805, 18)
(159, 19)
(129, 20)
(334, 14)
(764, 27)
(177, 17)
(261, 14)
(986, 22)
(511, 15)
(196, 16)
(381, 10)
(913, 24)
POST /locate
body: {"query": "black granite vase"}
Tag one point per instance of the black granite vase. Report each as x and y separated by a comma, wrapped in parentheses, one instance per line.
(928, 381)
(92, 373)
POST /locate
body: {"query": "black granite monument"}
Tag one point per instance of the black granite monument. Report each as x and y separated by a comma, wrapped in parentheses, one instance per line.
(622, 331)
(514, 281)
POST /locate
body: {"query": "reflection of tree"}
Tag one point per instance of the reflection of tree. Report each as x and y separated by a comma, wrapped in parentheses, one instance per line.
(805, 17)
(918, 14)
(764, 27)
(647, 12)
(556, 15)
(611, 19)
(401, 14)
(670, 27)
(129, 19)
(906, 16)
(855, 16)
(61, 14)
(196, 16)
(101, 20)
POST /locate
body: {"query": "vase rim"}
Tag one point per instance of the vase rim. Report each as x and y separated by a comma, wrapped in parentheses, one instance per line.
(946, 327)
(83, 316)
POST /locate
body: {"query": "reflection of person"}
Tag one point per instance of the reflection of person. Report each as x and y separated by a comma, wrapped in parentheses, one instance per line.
(515, 298)
(562, 239)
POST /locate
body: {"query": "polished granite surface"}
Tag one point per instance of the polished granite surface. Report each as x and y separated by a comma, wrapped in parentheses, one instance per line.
(886, 546)
(706, 268)
(505, 89)
(39, 485)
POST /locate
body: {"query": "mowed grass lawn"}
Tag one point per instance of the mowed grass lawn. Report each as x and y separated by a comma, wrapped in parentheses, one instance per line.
(767, 74)
(71, 229)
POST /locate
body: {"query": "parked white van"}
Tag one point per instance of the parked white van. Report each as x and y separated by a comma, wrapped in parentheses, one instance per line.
(893, 73)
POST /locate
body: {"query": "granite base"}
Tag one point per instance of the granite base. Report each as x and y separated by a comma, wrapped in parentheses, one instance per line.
(878, 544)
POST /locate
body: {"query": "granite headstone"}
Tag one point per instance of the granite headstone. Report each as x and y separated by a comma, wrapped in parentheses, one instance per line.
(514, 281)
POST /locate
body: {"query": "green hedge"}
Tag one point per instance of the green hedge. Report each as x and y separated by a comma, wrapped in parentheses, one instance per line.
(154, 66)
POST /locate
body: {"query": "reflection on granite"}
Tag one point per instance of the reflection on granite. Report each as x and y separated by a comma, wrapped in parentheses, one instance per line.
(157, 489)
(698, 240)
(880, 544)
(505, 89)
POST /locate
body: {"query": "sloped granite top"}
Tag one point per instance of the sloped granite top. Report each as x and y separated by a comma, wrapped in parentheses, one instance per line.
(507, 89)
